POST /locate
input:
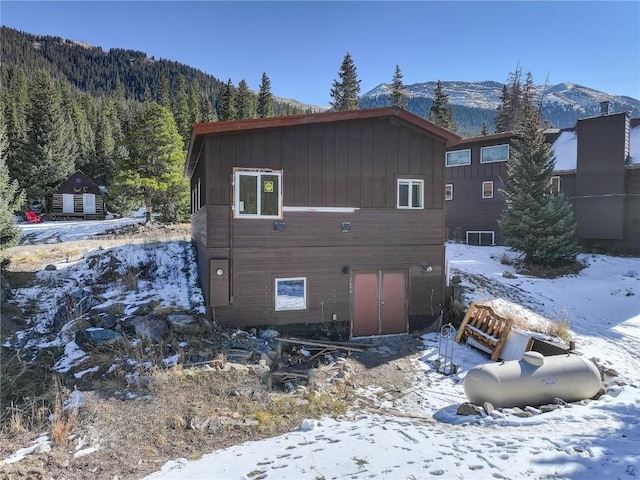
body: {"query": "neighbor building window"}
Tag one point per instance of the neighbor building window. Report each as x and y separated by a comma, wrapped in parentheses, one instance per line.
(555, 185)
(487, 189)
(448, 191)
(458, 157)
(497, 153)
(291, 293)
(257, 193)
(480, 238)
(410, 193)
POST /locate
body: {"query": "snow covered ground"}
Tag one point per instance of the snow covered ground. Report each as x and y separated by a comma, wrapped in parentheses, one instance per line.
(425, 438)
(594, 439)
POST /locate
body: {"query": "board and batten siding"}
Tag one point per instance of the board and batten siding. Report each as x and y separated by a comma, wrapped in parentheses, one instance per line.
(349, 167)
(318, 171)
(468, 211)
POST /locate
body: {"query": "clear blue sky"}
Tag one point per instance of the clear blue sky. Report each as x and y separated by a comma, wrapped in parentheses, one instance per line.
(300, 45)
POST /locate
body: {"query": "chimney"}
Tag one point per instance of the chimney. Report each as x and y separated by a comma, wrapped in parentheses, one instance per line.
(604, 107)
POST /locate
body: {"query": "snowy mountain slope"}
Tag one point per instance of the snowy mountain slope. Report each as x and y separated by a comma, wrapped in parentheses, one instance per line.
(475, 102)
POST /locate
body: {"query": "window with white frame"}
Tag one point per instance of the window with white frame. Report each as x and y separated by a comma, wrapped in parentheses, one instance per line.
(554, 185)
(410, 193)
(290, 293)
(457, 158)
(257, 193)
(448, 191)
(487, 189)
(480, 238)
(497, 153)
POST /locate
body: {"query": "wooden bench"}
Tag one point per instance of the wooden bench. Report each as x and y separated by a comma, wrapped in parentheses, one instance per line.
(485, 329)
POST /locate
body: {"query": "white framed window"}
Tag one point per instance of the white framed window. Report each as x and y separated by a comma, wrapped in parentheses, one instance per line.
(480, 238)
(554, 185)
(290, 293)
(448, 191)
(410, 193)
(257, 193)
(496, 153)
(487, 189)
(457, 158)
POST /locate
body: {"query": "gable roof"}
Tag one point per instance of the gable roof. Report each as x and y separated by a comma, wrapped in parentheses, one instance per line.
(78, 182)
(200, 130)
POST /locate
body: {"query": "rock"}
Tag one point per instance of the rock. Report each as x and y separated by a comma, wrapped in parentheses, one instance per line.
(69, 330)
(468, 408)
(50, 267)
(488, 408)
(235, 367)
(92, 337)
(518, 412)
(187, 324)
(507, 274)
(104, 320)
(308, 425)
(44, 447)
(152, 327)
(549, 408)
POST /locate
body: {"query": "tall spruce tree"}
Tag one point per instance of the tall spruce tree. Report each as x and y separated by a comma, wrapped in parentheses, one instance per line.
(398, 96)
(151, 173)
(180, 109)
(344, 93)
(535, 222)
(47, 155)
(440, 112)
(227, 103)
(244, 101)
(265, 98)
(510, 110)
(11, 197)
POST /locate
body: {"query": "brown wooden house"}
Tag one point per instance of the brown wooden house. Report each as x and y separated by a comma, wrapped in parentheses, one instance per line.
(597, 169)
(78, 197)
(327, 222)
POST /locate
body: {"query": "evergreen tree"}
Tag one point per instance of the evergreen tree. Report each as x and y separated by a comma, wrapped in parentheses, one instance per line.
(82, 133)
(101, 169)
(244, 101)
(193, 100)
(344, 93)
(163, 98)
(227, 104)
(207, 112)
(11, 197)
(180, 109)
(265, 98)
(485, 130)
(440, 112)
(14, 105)
(535, 222)
(509, 113)
(397, 89)
(47, 156)
(151, 173)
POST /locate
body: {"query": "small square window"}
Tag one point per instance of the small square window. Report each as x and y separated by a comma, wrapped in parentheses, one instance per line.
(410, 193)
(290, 293)
(457, 158)
(257, 193)
(487, 189)
(448, 191)
(496, 153)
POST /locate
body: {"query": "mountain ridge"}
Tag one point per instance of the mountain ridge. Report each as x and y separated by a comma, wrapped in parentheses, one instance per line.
(475, 103)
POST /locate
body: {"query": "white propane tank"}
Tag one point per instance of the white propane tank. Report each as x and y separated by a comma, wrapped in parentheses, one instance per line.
(535, 380)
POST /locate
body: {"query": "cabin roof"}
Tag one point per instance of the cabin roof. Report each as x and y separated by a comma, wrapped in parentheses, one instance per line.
(200, 130)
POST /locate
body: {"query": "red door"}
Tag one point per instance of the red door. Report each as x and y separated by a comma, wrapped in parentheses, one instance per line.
(379, 302)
